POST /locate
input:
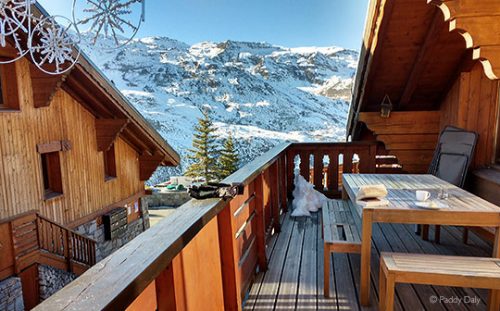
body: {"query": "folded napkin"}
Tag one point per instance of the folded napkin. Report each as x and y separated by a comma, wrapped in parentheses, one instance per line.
(371, 192)
(373, 202)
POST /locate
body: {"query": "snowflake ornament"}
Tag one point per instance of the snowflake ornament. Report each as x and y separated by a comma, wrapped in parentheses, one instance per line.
(14, 15)
(111, 18)
(52, 45)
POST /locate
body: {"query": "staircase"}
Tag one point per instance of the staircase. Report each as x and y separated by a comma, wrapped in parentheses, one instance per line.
(36, 239)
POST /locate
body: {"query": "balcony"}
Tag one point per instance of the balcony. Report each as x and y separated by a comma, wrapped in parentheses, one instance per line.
(248, 253)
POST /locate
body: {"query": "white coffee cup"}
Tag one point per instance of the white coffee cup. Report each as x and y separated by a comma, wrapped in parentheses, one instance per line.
(422, 195)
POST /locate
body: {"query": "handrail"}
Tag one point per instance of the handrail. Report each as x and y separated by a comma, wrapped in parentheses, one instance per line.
(248, 172)
(116, 281)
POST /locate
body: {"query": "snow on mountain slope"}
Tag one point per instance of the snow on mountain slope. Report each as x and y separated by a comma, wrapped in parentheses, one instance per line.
(261, 93)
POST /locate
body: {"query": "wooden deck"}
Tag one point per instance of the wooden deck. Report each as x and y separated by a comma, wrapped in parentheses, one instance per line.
(294, 279)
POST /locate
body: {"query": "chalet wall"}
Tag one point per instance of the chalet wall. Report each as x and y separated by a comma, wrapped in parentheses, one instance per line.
(84, 186)
(473, 104)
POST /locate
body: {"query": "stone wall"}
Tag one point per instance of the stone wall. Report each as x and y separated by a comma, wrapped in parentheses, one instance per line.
(51, 280)
(105, 247)
(11, 294)
(166, 199)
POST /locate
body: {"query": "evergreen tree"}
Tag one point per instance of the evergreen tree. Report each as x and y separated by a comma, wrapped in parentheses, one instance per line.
(228, 160)
(204, 151)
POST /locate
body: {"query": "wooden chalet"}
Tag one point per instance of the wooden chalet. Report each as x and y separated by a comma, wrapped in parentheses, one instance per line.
(423, 65)
(72, 150)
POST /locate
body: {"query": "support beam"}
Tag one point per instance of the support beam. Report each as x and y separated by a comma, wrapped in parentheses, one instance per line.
(148, 163)
(44, 86)
(369, 57)
(107, 130)
(420, 61)
(479, 24)
(54, 146)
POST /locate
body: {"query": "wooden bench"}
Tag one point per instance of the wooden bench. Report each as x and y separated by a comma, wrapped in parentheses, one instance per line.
(340, 233)
(475, 272)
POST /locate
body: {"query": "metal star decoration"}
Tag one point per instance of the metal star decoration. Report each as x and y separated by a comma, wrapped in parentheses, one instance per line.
(111, 18)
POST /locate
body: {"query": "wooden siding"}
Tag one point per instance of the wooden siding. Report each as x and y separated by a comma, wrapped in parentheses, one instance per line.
(84, 186)
(473, 104)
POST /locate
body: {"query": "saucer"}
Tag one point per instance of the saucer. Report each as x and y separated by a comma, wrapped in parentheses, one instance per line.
(431, 205)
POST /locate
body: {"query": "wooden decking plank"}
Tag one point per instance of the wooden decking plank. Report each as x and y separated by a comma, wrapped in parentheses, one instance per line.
(275, 283)
(263, 292)
(404, 293)
(322, 302)
(307, 293)
(288, 284)
(345, 285)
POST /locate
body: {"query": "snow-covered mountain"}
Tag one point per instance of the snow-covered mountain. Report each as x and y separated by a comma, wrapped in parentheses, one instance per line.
(261, 93)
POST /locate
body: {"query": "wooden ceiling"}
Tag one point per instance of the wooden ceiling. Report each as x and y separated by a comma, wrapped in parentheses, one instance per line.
(415, 59)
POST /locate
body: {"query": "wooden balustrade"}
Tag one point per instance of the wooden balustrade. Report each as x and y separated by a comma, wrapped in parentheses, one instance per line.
(59, 240)
(322, 164)
(204, 256)
(31, 238)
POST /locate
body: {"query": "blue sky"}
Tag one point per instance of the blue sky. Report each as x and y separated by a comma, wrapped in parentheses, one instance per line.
(289, 23)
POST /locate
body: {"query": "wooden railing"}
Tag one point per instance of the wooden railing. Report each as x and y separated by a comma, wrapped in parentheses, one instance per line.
(205, 255)
(31, 238)
(59, 240)
(322, 164)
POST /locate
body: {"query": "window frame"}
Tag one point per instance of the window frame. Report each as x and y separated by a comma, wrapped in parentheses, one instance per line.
(9, 87)
(51, 175)
(109, 160)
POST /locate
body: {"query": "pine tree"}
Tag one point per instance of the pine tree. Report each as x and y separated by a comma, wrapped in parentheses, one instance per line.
(228, 160)
(204, 151)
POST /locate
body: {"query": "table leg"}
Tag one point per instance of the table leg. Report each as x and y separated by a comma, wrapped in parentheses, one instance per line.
(494, 297)
(366, 246)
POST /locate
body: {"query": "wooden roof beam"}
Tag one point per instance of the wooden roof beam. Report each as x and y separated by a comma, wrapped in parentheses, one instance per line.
(107, 130)
(45, 86)
(430, 40)
(479, 24)
(379, 16)
(378, 44)
(148, 163)
(83, 95)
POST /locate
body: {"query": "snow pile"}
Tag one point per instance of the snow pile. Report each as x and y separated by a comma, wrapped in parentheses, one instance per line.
(305, 198)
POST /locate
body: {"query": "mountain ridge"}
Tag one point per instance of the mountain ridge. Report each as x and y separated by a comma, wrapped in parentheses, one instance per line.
(262, 93)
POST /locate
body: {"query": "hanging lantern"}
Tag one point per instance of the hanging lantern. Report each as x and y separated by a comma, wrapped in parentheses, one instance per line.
(386, 107)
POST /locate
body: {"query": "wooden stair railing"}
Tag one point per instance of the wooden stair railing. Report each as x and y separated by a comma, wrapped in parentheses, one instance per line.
(37, 239)
(57, 239)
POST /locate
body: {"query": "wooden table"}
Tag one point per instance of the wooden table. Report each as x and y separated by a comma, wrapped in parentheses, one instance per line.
(465, 209)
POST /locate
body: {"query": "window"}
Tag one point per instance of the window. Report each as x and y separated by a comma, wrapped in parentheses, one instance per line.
(109, 163)
(51, 170)
(9, 97)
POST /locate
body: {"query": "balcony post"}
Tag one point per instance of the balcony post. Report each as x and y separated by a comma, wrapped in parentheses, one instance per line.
(260, 219)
